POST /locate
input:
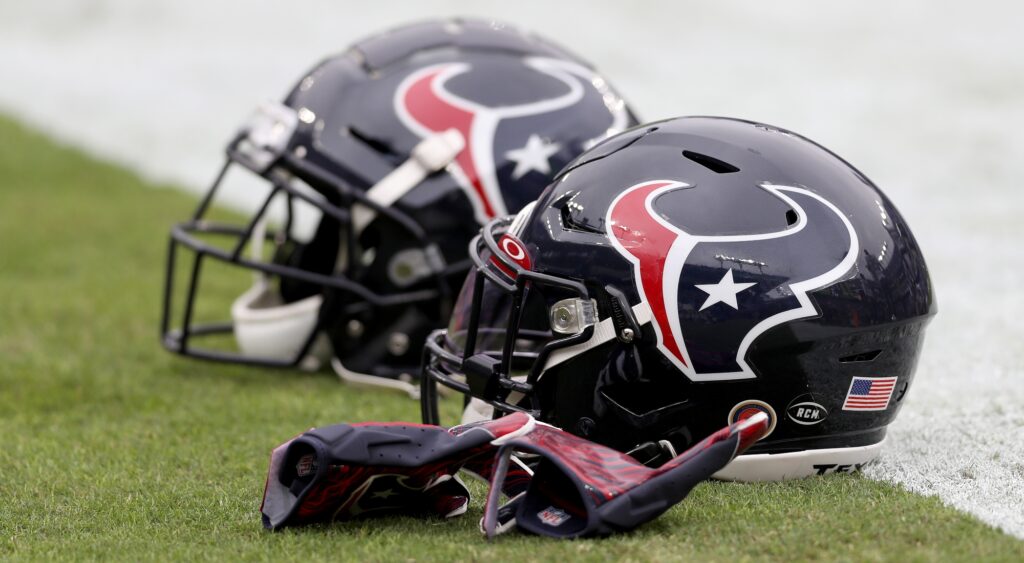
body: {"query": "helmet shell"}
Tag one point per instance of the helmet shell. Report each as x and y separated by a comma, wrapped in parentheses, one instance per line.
(778, 275)
(525, 107)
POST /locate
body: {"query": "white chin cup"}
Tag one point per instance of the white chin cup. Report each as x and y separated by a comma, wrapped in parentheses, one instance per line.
(266, 327)
(798, 465)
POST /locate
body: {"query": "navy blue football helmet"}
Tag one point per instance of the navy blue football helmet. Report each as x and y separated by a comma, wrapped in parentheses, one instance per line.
(687, 274)
(405, 144)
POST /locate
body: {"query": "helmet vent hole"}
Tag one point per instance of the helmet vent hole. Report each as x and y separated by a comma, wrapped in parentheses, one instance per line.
(571, 223)
(375, 144)
(861, 357)
(711, 163)
(791, 217)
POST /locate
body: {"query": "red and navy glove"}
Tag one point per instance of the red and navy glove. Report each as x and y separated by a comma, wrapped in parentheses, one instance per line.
(347, 470)
(580, 488)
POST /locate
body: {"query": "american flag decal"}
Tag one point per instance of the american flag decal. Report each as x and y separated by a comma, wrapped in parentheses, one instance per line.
(869, 393)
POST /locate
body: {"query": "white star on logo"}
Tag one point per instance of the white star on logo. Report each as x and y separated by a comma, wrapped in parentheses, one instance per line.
(723, 292)
(533, 156)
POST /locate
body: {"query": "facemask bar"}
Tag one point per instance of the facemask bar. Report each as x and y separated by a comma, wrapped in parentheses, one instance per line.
(482, 375)
(280, 173)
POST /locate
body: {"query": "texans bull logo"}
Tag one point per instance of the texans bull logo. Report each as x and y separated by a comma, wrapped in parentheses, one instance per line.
(426, 107)
(706, 321)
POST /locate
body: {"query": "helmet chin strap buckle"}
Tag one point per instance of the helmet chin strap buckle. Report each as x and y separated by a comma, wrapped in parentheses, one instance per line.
(627, 329)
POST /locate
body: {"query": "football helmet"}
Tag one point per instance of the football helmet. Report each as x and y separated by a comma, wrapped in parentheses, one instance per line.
(687, 274)
(404, 145)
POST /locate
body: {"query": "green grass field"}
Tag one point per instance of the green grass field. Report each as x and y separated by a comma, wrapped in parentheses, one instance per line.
(111, 448)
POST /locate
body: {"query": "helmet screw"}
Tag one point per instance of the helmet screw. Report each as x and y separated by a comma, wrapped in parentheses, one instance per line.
(354, 328)
(398, 344)
(585, 426)
(563, 318)
(626, 335)
(299, 152)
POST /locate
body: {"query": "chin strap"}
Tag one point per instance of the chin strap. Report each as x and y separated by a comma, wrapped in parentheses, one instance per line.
(429, 156)
(604, 331)
(409, 386)
(404, 383)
